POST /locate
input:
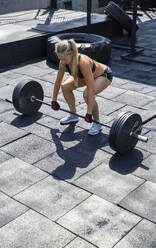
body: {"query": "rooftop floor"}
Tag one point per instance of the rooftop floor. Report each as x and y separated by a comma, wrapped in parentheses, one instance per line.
(61, 188)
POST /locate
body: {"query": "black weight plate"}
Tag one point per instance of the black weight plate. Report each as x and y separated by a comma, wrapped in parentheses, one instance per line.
(120, 16)
(21, 97)
(124, 142)
(113, 130)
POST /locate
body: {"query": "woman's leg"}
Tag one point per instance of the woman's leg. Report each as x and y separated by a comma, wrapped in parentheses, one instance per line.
(100, 84)
(67, 89)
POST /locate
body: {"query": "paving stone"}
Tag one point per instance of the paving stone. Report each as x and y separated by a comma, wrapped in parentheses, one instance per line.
(151, 106)
(107, 106)
(147, 169)
(4, 106)
(32, 70)
(6, 92)
(100, 222)
(45, 65)
(134, 99)
(15, 81)
(143, 235)
(4, 156)
(78, 242)
(142, 201)
(2, 80)
(138, 75)
(69, 165)
(52, 197)
(47, 88)
(54, 125)
(139, 66)
(9, 209)
(119, 70)
(16, 175)
(152, 93)
(30, 148)
(19, 120)
(9, 74)
(44, 131)
(51, 77)
(33, 230)
(107, 183)
(9, 133)
(111, 92)
(150, 146)
(137, 87)
(118, 82)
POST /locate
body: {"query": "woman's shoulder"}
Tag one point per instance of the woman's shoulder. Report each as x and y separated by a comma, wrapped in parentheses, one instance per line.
(84, 59)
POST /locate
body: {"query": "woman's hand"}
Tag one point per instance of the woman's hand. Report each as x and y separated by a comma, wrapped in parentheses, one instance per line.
(55, 106)
(88, 118)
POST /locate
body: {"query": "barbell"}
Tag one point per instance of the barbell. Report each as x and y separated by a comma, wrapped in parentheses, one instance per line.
(124, 133)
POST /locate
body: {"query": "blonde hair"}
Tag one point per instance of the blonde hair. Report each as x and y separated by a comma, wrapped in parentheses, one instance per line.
(68, 47)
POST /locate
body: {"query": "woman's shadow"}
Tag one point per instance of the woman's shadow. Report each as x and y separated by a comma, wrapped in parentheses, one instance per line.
(76, 149)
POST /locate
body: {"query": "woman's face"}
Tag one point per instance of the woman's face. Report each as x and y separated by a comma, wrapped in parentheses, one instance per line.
(65, 59)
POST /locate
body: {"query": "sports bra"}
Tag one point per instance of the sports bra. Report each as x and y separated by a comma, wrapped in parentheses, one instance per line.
(79, 73)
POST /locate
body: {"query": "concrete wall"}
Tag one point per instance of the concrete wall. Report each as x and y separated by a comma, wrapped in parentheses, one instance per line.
(8, 6)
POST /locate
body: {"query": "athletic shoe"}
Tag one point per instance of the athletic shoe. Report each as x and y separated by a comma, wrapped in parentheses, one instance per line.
(69, 119)
(95, 129)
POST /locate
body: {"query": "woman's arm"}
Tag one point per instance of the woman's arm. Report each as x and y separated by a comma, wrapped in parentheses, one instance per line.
(58, 81)
(89, 80)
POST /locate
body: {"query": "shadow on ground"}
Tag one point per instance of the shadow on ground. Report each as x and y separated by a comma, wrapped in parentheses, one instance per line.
(25, 120)
(78, 150)
(127, 163)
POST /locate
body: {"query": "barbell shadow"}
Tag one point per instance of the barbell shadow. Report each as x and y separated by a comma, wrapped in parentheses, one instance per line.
(25, 120)
(127, 163)
(81, 159)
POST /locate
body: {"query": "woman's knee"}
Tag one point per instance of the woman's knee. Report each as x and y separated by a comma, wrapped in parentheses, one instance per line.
(85, 96)
(66, 87)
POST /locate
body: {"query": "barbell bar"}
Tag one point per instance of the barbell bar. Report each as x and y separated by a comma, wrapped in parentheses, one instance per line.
(124, 133)
(132, 133)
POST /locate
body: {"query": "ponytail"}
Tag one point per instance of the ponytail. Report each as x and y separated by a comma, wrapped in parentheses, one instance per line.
(74, 62)
(69, 47)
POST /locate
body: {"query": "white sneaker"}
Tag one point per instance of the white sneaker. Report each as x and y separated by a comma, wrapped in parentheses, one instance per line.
(95, 129)
(69, 119)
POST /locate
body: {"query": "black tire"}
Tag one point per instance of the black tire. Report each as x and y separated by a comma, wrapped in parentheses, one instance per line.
(120, 16)
(95, 46)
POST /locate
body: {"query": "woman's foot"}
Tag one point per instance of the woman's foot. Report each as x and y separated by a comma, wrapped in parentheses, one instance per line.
(95, 129)
(69, 119)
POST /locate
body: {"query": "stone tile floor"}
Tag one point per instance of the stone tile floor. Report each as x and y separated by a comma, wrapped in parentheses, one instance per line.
(60, 188)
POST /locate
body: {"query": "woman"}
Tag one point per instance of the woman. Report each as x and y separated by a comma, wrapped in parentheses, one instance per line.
(84, 72)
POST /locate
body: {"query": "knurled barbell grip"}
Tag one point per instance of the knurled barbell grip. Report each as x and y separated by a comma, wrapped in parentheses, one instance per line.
(139, 137)
(32, 98)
